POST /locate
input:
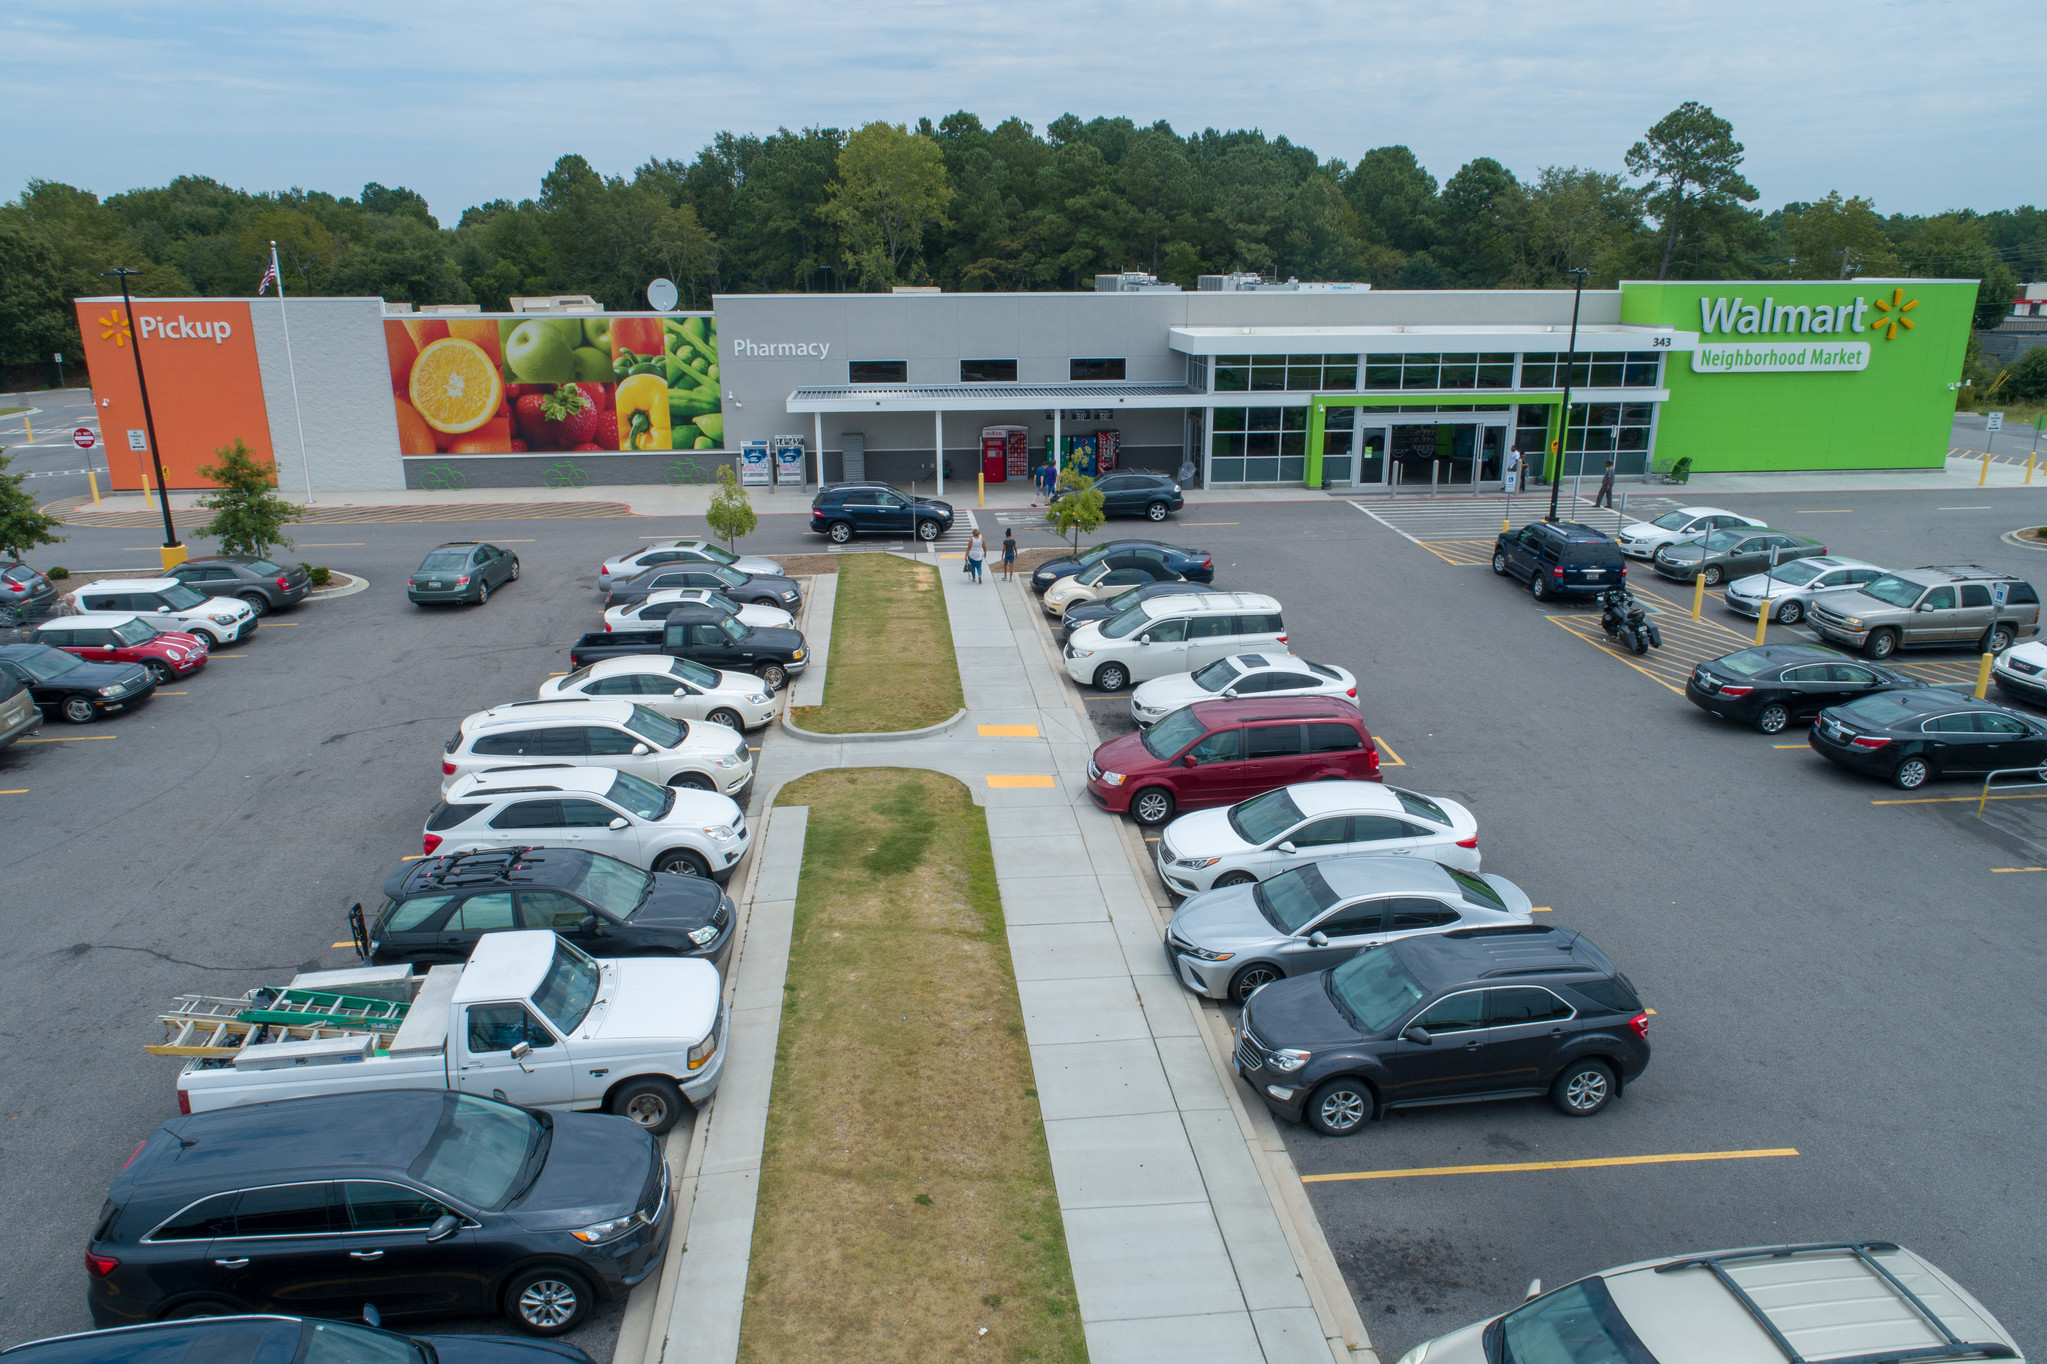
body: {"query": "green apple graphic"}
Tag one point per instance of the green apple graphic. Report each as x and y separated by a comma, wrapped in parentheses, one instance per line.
(597, 332)
(592, 365)
(539, 354)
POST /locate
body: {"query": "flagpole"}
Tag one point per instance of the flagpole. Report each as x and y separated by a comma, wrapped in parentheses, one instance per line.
(291, 365)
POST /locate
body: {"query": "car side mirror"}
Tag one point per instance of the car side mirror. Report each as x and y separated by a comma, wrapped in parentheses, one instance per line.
(640, 750)
(1318, 938)
(1419, 1036)
(1288, 848)
(371, 1315)
(1926, 606)
(444, 1226)
(521, 1050)
(587, 924)
(1144, 639)
(1188, 761)
(1229, 693)
(617, 822)
(682, 691)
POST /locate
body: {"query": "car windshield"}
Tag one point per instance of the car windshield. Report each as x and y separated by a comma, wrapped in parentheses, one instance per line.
(444, 561)
(1373, 990)
(613, 886)
(338, 1342)
(735, 629)
(1578, 1324)
(1893, 591)
(264, 566)
(181, 597)
(694, 673)
(1165, 739)
(1265, 817)
(1216, 675)
(715, 554)
(1089, 577)
(135, 631)
(226, 1340)
(1744, 662)
(1420, 806)
(1725, 539)
(1290, 900)
(731, 577)
(1883, 708)
(478, 1150)
(654, 727)
(1798, 571)
(568, 989)
(1123, 601)
(642, 797)
(1672, 521)
(1475, 889)
(1133, 619)
(1093, 557)
(721, 601)
(575, 679)
(46, 664)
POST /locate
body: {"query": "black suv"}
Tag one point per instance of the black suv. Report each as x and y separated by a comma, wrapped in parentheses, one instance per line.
(415, 1201)
(1162, 561)
(1560, 559)
(265, 586)
(435, 910)
(1152, 496)
(843, 510)
(1909, 737)
(1511, 1012)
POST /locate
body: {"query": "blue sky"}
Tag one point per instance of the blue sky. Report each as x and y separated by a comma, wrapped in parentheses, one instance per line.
(1923, 105)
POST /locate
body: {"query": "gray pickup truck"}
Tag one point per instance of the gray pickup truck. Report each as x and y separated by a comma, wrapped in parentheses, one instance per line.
(1953, 606)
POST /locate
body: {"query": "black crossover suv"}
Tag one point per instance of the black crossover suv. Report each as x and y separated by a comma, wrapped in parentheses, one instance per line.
(841, 511)
(1511, 1012)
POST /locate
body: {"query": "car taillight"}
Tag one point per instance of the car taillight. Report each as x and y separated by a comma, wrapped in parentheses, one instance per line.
(99, 1266)
(428, 843)
(16, 587)
(1209, 562)
(1352, 693)
(1282, 639)
(447, 768)
(1471, 842)
(184, 1103)
(1736, 691)
(1557, 573)
(1640, 1023)
(607, 627)
(281, 583)
(462, 581)
(1868, 741)
(134, 1153)
(1624, 571)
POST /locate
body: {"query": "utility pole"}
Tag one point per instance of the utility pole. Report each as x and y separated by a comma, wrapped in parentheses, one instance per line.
(173, 552)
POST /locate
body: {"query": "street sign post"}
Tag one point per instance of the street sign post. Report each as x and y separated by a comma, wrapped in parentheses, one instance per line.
(1994, 422)
(83, 438)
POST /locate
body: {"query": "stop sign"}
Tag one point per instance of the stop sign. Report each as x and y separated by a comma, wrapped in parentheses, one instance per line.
(83, 438)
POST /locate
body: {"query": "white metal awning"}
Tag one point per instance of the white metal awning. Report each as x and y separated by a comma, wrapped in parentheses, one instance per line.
(1527, 338)
(991, 397)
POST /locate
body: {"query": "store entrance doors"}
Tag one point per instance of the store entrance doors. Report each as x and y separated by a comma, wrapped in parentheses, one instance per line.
(1449, 452)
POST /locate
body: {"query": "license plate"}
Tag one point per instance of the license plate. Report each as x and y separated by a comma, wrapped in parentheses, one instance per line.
(433, 585)
(1594, 572)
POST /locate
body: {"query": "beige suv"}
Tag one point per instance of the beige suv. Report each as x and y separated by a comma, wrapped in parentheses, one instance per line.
(1962, 606)
(1849, 1303)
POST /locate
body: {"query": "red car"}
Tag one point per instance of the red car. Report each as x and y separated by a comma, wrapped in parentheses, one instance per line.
(1220, 752)
(124, 637)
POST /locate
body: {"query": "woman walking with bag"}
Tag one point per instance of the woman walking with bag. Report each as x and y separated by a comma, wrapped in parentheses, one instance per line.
(977, 551)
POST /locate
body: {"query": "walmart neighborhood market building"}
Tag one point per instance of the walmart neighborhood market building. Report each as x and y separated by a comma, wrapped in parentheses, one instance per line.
(1253, 384)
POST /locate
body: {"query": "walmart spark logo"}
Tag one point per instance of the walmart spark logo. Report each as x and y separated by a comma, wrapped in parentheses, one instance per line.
(1890, 315)
(114, 328)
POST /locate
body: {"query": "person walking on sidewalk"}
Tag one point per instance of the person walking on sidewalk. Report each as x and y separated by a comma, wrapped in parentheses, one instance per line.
(977, 550)
(1008, 554)
(1605, 498)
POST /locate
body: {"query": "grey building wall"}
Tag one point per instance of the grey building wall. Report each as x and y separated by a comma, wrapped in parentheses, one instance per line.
(344, 393)
(2010, 341)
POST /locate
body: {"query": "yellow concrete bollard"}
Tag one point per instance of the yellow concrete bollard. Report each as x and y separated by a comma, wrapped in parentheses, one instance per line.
(1762, 620)
(1983, 677)
(1698, 595)
(93, 480)
(1984, 477)
(28, 433)
(981, 488)
(2029, 469)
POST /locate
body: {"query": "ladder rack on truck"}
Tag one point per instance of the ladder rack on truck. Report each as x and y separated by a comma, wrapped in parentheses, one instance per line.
(222, 1026)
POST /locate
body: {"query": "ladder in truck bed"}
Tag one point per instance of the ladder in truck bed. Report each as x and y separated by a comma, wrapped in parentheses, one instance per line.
(218, 1026)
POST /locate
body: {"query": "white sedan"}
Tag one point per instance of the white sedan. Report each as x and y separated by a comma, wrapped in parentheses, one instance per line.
(674, 687)
(663, 552)
(651, 613)
(1680, 527)
(1226, 679)
(1316, 821)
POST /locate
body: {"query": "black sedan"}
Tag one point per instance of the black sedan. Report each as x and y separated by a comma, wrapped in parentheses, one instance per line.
(435, 910)
(1164, 560)
(461, 571)
(1152, 496)
(1778, 684)
(419, 1202)
(264, 585)
(1734, 553)
(1109, 609)
(81, 692)
(1909, 737)
(281, 1340)
(748, 588)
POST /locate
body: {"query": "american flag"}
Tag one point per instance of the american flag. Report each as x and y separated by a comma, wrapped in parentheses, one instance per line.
(269, 278)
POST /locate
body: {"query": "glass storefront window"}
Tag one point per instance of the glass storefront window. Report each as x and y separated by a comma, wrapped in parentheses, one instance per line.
(1268, 374)
(1197, 373)
(1459, 371)
(1339, 373)
(1382, 371)
(1232, 373)
(1421, 371)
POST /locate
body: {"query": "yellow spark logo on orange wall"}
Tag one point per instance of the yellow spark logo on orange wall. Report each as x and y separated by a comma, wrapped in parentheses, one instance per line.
(114, 328)
(1890, 315)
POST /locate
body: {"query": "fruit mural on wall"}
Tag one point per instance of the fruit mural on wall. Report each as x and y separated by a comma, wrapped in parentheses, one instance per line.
(512, 384)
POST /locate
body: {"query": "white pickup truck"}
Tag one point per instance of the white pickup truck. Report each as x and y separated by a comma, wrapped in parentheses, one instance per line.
(530, 1019)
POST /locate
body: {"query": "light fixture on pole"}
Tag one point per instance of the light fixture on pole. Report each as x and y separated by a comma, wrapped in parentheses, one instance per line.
(173, 552)
(1564, 421)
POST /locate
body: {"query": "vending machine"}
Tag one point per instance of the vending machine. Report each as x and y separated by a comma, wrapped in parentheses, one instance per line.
(1107, 443)
(1005, 453)
(789, 465)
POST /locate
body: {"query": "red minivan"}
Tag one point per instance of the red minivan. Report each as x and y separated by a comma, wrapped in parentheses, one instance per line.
(1220, 752)
(124, 637)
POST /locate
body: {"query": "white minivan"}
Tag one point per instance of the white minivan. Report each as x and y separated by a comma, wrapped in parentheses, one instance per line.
(1172, 635)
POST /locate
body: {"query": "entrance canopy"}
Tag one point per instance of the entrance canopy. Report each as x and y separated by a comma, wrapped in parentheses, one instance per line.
(990, 397)
(1379, 340)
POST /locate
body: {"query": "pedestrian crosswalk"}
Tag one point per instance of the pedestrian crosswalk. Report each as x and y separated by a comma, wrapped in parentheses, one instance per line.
(1472, 521)
(954, 541)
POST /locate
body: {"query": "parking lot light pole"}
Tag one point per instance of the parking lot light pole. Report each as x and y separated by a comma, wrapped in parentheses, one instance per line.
(173, 552)
(1556, 473)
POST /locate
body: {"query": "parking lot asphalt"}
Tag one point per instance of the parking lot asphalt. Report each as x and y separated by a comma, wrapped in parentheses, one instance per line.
(1820, 962)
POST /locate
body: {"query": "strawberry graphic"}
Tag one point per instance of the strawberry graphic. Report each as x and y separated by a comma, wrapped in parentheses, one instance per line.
(526, 408)
(567, 418)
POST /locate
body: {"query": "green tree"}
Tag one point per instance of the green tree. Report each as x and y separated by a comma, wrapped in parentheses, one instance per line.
(1955, 246)
(248, 515)
(1080, 512)
(22, 525)
(889, 189)
(1573, 218)
(1479, 217)
(2028, 377)
(731, 512)
(1835, 238)
(1395, 199)
(1693, 166)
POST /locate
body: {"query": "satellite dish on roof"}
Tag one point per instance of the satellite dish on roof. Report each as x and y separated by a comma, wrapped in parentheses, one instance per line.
(662, 295)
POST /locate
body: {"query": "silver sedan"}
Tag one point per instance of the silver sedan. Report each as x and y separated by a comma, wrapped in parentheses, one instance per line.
(1260, 674)
(1791, 586)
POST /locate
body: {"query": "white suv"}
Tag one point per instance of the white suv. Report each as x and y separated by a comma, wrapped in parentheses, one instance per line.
(676, 687)
(1169, 635)
(662, 552)
(169, 604)
(689, 833)
(598, 733)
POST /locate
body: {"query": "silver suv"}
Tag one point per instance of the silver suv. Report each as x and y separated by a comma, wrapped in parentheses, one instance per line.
(1855, 1303)
(1956, 606)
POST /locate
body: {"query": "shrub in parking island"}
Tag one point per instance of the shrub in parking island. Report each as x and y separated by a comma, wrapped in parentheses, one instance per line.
(248, 515)
(731, 512)
(1080, 512)
(320, 576)
(22, 525)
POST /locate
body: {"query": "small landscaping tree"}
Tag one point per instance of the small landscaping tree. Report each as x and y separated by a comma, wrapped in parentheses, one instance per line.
(248, 515)
(1080, 511)
(22, 525)
(731, 513)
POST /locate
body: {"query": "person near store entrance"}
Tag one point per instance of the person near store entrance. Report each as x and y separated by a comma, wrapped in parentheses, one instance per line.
(977, 552)
(1513, 469)
(1008, 554)
(1605, 498)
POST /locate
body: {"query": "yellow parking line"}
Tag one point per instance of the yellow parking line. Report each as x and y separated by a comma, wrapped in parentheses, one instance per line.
(413, 858)
(170, 693)
(71, 739)
(1672, 1159)
(283, 625)
(1995, 871)
(560, 674)
(333, 544)
(1945, 800)
(344, 944)
(1791, 745)
(1001, 782)
(1828, 511)
(1539, 909)
(1009, 731)
(227, 655)
(1392, 758)
(22, 792)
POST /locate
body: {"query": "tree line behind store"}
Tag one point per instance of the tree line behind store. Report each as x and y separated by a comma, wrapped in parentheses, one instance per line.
(968, 207)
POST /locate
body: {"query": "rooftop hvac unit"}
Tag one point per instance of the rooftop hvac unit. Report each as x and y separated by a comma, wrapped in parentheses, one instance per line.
(1133, 282)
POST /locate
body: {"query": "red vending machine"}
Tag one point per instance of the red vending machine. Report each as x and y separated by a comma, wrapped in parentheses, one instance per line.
(1004, 454)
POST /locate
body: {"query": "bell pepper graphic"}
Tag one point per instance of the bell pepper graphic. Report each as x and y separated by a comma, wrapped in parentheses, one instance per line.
(641, 336)
(642, 412)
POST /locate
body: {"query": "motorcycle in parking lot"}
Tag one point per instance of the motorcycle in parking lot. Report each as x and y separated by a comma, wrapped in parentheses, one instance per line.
(1624, 619)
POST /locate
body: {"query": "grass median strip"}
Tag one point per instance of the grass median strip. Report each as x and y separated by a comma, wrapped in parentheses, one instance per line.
(891, 665)
(906, 1201)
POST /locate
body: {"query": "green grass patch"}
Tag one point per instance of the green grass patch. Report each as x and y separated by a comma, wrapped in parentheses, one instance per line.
(891, 665)
(906, 1200)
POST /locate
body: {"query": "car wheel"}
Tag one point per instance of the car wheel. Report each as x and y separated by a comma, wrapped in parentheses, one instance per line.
(1340, 1107)
(1112, 677)
(212, 640)
(1235, 878)
(1998, 640)
(1583, 1089)
(259, 605)
(78, 710)
(547, 1301)
(927, 530)
(1771, 719)
(159, 673)
(204, 1307)
(775, 676)
(1152, 806)
(1252, 979)
(515, 570)
(1711, 574)
(1911, 774)
(1156, 511)
(692, 781)
(482, 593)
(839, 532)
(1538, 586)
(728, 718)
(1790, 613)
(1881, 644)
(682, 863)
(653, 1102)
(1500, 563)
